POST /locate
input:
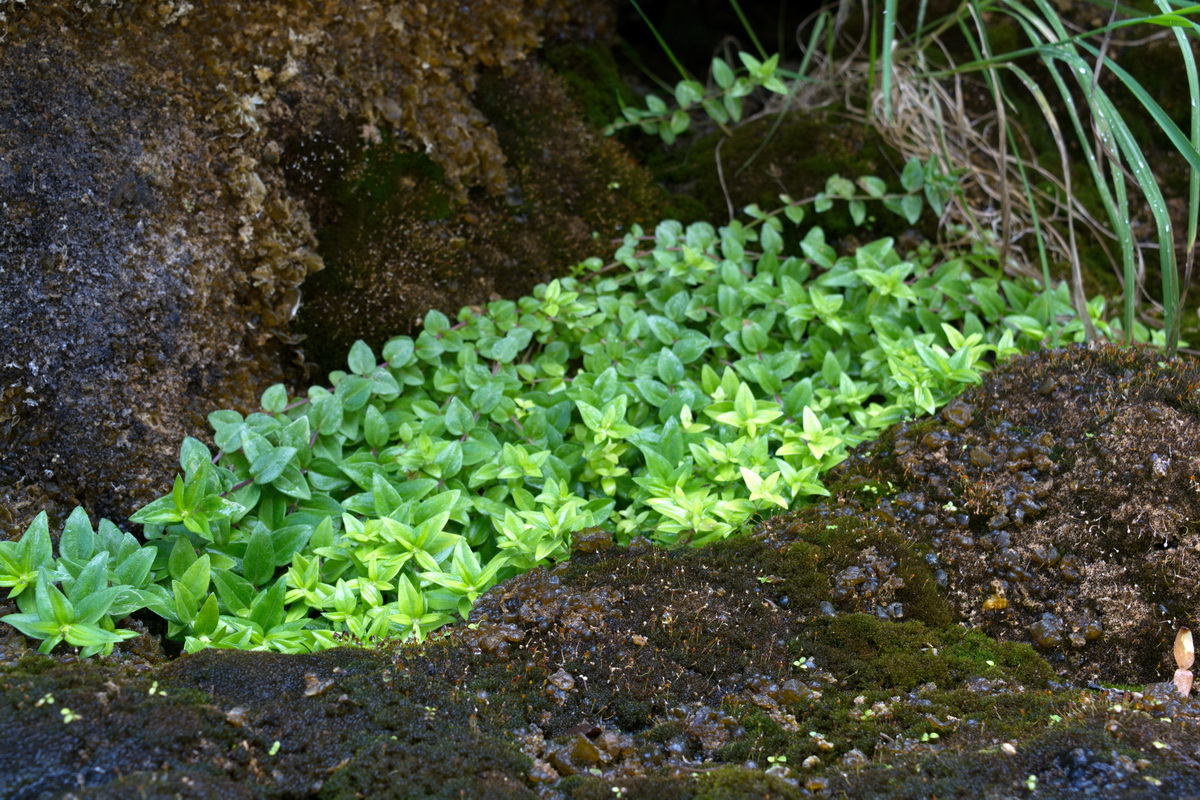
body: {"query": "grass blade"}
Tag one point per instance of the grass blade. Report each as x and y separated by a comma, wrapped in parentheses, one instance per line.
(888, 34)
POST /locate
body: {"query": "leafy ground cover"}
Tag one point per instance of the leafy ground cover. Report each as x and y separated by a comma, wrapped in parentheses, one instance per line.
(770, 665)
(702, 378)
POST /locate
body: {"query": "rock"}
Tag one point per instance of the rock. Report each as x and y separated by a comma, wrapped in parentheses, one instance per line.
(1066, 535)
(163, 167)
(398, 241)
(128, 308)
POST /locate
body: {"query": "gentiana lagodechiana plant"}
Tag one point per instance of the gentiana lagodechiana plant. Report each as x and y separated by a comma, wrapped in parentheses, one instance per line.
(704, 377)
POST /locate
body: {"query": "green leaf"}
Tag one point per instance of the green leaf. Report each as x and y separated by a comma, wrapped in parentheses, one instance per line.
(271, 464)
(679, 122)
(733, 107)
(292, 483)
(436, 322)
(715, 110)
(858, 211)
(182, 556)
(362, 359)
(459, 419)
(354, 392)
(198, 576)
(35, 543)
(376, 430)
(206, 620)
(93, 638)
(274, 400)
(52, 605)
(328, 410)
(670, 368)
(267, 609)
(78, 540)
(912, 177)
(235, 592)
(487, 397)
(258, 565)
(134, 569)
(157, 512)
(91, 608)
(837, 186)
(31, 625)
(691, 346)
(688, 92)
(722, 73)
(92, 579)
(910, 207)
(872, 186)
(398, 352)
(831, 369)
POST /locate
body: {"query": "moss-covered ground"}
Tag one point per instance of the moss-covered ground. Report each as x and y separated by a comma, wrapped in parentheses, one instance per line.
(845, 650)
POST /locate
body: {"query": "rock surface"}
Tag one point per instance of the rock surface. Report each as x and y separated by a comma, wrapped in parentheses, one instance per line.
(163, 170)
(834, 652)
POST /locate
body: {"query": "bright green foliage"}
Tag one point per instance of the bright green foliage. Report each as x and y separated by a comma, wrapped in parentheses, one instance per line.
(723, 104)
(104, 577)
(706, 376)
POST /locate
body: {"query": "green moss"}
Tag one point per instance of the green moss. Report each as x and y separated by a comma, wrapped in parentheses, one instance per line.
(730, 783)
(723, 783)
(400, 235)
(381, 173)
(592, 79)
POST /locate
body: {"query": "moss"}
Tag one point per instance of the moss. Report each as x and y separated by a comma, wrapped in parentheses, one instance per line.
(886, 656)
(1076, 759)
(400, 236)
(973, 493)
(592, 79)
(723, 783)
(793, 154)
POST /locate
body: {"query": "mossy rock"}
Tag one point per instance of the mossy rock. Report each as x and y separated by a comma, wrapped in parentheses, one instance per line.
(400, 238)
(165, 167)
(1056, 503)
(790, 153)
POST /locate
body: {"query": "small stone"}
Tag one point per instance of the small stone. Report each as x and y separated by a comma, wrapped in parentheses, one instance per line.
(854, 758)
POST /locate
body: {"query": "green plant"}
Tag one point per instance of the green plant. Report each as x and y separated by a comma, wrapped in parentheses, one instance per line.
(921, 116)
(703, 377)
(103, 579)
(723, 105)
(909, 87)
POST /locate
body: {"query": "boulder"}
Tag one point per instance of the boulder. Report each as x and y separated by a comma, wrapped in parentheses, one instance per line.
(164, 168)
